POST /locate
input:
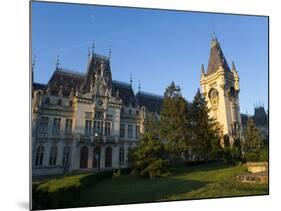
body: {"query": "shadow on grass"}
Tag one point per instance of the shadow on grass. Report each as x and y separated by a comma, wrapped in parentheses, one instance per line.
(202, 167)
(128, 189)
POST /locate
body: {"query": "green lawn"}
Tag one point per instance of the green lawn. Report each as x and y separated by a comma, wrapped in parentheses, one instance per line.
(191, 182)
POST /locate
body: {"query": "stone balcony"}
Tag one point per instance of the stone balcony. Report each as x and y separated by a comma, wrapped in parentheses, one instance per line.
(55, 107)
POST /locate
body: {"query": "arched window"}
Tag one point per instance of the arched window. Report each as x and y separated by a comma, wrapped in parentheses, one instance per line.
(130, 111)
(108, 157)
(137, 112)
(47, 100)
(70, 103)
(39, 156)
(53, 156)
(66, 152)
(121, 155)
(59, 102)
(214, 96)
(84, 157)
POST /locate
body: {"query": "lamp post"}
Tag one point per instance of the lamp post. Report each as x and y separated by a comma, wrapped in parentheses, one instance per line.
(98, 144)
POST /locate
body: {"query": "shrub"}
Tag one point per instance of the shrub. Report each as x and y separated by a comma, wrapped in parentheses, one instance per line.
(116, 174)
(264, 155)
(62, 192)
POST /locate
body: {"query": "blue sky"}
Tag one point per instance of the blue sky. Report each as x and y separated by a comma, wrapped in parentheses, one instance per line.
(156, 46)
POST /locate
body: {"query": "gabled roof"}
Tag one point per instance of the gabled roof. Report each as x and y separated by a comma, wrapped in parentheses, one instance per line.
(216, 58)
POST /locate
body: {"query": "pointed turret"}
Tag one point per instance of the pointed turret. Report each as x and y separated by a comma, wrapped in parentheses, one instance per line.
(216, 59)
(233, 66)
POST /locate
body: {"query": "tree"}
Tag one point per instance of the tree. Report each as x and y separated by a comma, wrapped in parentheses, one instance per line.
(149, 157)
(174, 128)
(204, 130)
(253, 142)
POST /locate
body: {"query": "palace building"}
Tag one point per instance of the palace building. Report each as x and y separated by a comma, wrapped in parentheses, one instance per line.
(90, 121)
(86, 121)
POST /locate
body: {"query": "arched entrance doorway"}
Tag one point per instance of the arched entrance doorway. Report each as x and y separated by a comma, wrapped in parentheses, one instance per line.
(108, 157)
(84, 157)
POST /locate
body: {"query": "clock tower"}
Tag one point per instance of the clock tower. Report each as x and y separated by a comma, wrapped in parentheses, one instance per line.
(220, 86)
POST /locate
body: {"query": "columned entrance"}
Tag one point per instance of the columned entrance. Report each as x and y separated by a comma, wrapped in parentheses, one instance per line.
(84, 157)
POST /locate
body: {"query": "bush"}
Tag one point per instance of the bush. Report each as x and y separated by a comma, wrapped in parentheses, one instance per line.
(251, 157)
(264, 155)
(62, 192)
(116, 174)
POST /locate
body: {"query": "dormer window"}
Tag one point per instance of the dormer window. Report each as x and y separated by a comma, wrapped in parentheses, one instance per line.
(59, 102)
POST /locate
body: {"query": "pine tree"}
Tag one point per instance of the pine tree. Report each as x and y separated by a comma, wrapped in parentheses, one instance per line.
(149, 157)
(253, 142)
(174, 128)
(204, 133)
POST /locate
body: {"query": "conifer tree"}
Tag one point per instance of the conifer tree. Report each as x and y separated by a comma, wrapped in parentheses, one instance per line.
(253, 142)
(204, 133)
(174, 128)
(148, 159)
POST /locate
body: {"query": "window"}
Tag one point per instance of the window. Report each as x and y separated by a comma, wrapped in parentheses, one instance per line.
(137, 131)
(137, 112)
(88, 127)
(121, 155)
(59, 102)
(130, 111)
(70, 103)
(39, 156)
(56, 126)
(122, 130)
(43, 125)
(47, 100)
(107, 129)
(98, 127)
(53, 156)
(98, 115)
(68, 126)
(65, 160)
(130, 131)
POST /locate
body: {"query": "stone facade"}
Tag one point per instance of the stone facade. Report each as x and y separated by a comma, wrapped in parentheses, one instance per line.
(220, 86)
(86, 121)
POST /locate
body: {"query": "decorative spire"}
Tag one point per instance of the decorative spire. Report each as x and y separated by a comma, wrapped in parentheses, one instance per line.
(33, 62)
(131, 80)
(109, 52)
(202, 69)
(93, 47)
(139, 87)
(233, 66)
(58, 62)
(89, 53)
(214, 38)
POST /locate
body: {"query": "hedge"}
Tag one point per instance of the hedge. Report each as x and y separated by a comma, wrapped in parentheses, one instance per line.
(64, 191)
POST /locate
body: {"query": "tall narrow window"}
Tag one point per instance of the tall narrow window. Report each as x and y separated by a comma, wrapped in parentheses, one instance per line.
(39, 156)
(122, 130)
(68, 126)
(121, 155)
(88, 127)
(65, 160)
(137, 131)
(47, 100)
(130, 131)
(107, 129)
(59, 102)
(43, 125)
(56, 126)
(53, 156)
(98, 127)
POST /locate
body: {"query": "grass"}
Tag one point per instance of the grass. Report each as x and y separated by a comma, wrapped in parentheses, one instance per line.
(189, 182)
(205, 181)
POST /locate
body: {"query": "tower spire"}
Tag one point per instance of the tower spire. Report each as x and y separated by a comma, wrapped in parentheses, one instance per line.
(131, 80)
(93, 47)
(139, 87)
(233, 66)
(58, 62)
(89, 53)
(202, 69)
(109, 52)
(33, 62)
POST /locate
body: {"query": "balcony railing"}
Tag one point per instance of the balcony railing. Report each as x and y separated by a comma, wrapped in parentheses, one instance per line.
(56, 107)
